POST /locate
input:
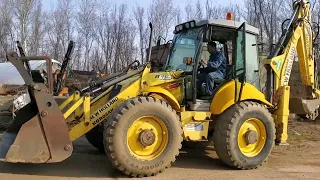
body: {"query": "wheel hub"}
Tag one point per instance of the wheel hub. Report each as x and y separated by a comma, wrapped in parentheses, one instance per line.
(251, 137)
(147, 137)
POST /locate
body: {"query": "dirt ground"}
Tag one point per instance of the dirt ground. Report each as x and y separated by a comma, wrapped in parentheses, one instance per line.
(299, 160)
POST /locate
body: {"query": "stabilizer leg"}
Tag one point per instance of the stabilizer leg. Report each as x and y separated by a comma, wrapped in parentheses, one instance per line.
(281, 116)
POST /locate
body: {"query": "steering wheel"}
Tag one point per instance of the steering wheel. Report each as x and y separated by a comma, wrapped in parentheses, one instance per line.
(201, 66)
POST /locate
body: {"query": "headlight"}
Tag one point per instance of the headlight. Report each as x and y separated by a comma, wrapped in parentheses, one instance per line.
(187, 25)
(192, 24)
(21, 100)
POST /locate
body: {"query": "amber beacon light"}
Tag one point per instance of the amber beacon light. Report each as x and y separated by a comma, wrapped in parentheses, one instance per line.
(229, 16)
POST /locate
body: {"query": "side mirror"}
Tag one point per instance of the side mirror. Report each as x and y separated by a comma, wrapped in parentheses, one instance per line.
(158, 42)
(187, 60)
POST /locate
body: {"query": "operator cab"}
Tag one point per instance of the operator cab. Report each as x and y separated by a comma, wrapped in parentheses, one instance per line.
(236, 41)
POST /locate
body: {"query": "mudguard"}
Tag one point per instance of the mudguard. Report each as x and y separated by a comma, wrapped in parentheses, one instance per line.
(226, 96)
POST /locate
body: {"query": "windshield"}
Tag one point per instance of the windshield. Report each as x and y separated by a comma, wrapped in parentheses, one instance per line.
(184, 44)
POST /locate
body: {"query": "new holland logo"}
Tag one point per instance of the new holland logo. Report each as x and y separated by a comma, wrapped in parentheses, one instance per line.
(278, 64)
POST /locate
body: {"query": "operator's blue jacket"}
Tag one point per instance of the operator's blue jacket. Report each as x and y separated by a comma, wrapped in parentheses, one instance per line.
(218, 63)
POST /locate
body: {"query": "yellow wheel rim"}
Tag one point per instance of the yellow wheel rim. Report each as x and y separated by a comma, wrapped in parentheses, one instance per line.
(150, 130)
(252, 137)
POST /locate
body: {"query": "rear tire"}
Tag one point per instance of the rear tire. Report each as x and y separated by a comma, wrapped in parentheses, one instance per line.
(231, 138)
(130, 119)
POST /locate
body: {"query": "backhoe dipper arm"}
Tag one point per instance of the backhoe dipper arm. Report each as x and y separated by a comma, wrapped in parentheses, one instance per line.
(61, 75)
(297, 38)
(22, 54)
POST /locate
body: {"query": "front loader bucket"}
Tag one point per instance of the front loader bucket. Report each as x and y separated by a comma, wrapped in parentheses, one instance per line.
(39, 133)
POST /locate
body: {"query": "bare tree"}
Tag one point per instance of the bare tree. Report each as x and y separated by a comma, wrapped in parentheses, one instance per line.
(22, 10)
(36, 29)
(77, 64)
(266, 15)
(199, 10)
(161, 14)
(106, 39)
(86, 22)
(178, 16)
(109, 36)
(60, 28)
(6, 28)
(189, 12)
(139, 15)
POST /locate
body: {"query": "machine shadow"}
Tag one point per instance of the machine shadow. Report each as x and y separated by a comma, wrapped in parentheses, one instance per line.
(199, 159)
(85, 161)
(94, 164)
(78, 165)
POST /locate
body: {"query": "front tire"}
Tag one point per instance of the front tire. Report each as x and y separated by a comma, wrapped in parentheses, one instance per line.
(95, 138)
(143, 137)
(244, 135)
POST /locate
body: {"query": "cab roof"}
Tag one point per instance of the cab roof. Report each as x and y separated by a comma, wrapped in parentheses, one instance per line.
(222, 23)
(227, 23)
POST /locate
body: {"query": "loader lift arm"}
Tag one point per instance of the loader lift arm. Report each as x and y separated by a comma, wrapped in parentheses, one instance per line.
(297, 37)
(52, 129)
(96, 109)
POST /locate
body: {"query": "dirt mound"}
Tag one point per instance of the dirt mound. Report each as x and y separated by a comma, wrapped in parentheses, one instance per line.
(11, 89)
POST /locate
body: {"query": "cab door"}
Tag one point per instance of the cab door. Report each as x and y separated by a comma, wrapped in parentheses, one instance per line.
(239, 65)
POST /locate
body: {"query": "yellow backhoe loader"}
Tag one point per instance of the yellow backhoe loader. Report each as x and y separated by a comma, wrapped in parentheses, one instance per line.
(145, 115)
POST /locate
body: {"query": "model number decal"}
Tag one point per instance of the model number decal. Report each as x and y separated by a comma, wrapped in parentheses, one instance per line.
(289, 66)
(163, 77)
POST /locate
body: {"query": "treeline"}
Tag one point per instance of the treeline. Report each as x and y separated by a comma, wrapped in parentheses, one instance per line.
(109, 36)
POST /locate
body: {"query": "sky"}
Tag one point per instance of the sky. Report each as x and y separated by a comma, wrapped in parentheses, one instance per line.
(180, 3)
(47, 4)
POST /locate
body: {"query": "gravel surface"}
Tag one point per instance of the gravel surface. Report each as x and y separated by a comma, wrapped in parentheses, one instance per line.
(299, 160)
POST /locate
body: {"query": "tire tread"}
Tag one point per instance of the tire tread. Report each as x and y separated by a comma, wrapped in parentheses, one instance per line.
(114, 119)
(223, 128)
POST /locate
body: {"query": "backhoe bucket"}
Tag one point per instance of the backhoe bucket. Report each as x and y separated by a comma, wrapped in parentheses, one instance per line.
(303, 106)
(39, 133)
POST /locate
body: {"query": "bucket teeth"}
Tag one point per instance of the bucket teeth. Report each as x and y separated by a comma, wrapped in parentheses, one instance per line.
(303, 106)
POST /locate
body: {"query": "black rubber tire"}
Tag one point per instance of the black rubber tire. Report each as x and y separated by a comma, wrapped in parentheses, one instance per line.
(95, 138)
(95, 135)
(115, 135)
(226, 131)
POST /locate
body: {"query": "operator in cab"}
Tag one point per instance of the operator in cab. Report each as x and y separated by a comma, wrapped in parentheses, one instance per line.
(216, 69)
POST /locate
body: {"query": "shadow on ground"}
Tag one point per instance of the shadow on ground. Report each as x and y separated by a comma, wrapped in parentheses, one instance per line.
(88, 162)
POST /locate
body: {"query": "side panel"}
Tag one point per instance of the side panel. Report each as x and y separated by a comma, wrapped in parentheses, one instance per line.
(225, 96)
(195, 125)
(100, 113)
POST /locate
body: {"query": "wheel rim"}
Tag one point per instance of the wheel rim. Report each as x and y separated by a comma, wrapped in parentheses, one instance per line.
(252, 137)
(147, 138)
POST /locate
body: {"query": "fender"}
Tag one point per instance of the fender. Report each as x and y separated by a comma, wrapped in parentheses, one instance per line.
(225, 96)
(164, 94)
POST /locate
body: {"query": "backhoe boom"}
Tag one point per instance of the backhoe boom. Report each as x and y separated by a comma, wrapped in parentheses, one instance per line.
(296, 38)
